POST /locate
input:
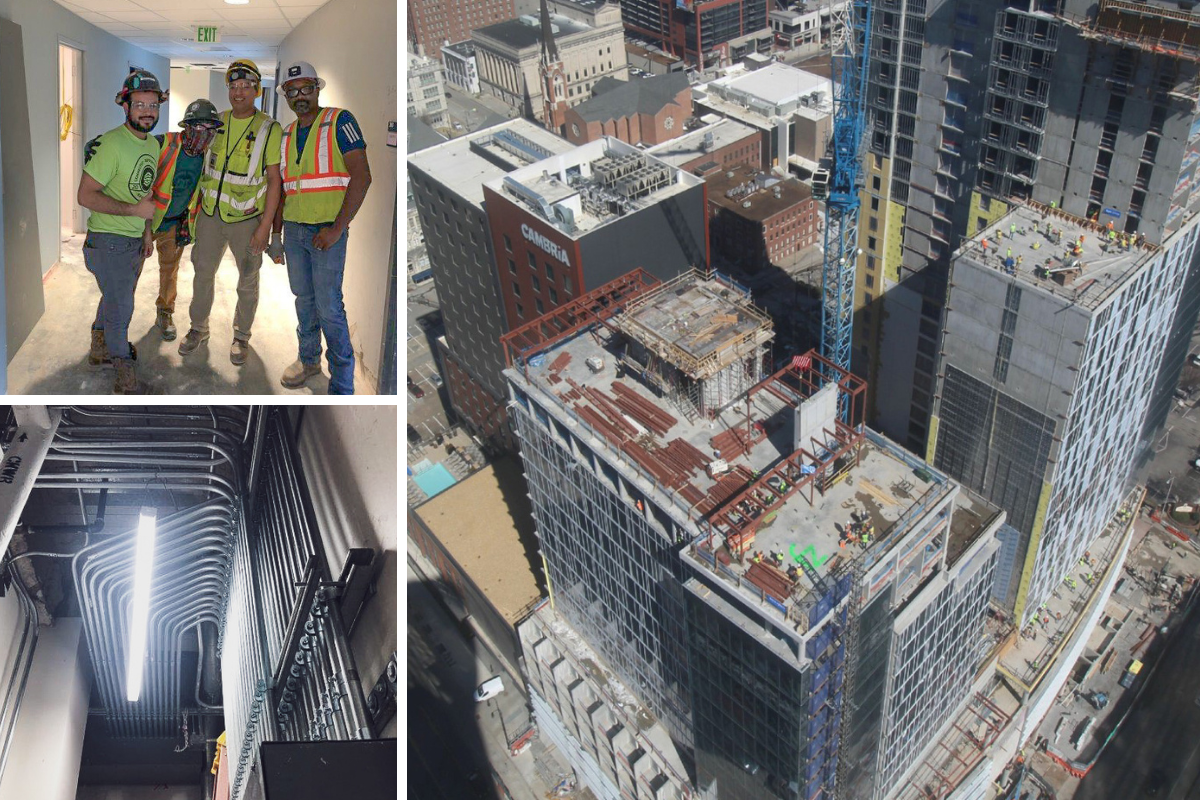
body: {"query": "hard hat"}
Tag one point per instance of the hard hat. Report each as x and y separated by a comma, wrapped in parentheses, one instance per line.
(200, 111)
(243, 70)
(299, 70)
(140, 80)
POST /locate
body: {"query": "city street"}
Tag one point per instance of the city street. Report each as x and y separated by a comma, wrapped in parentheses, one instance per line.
(1157, 751)
(450, 737)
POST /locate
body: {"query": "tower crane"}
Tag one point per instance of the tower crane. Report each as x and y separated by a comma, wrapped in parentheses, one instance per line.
(851, 30)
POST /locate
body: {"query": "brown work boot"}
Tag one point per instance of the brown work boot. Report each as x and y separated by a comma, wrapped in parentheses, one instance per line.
(238, 351)
(190, 342)
(127, 380)
(166, 325)
(98, 355)
(299, 372)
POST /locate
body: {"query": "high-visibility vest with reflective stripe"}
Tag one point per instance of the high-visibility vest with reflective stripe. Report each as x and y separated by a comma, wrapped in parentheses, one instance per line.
(237, 181)
(164, 184)
(314, 188)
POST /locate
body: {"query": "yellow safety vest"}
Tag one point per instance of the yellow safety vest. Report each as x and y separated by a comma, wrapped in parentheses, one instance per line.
(314, 188)
(237, 181)
(164, 184)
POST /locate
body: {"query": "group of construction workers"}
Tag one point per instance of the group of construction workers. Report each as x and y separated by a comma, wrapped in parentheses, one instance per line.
(232, 180)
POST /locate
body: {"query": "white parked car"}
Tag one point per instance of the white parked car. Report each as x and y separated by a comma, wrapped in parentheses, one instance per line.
(489, 689)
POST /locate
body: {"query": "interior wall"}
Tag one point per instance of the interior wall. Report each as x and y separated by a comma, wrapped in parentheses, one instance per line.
(106, 61)
(23, 299)
(187, 84)
(350, 456)
(352, 45)
(48, 743)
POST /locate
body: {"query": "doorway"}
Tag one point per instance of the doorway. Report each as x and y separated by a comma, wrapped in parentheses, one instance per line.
(70, 140)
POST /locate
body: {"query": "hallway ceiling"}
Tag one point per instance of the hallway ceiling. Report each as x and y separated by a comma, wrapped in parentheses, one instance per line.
(168, 27)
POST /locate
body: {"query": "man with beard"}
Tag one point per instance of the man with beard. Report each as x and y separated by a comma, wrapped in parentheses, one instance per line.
(118, 174)
(175, 200)
(324, 186)
(239, 191)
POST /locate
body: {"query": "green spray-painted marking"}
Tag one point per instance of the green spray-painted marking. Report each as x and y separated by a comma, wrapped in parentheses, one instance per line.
(810, 555)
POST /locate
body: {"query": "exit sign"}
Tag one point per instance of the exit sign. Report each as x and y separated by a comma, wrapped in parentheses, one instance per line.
(208, 34)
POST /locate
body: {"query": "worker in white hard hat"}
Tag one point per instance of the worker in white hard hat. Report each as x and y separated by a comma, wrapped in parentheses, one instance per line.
(239, 193)
(325, 179)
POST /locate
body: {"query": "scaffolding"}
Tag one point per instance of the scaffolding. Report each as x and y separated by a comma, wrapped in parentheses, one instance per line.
(700, 337)
(1151, 28)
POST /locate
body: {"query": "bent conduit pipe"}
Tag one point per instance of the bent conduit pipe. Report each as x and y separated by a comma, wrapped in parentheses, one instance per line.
(22, 665)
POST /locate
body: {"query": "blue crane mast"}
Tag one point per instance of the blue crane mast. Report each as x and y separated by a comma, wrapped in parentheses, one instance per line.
(851, 30)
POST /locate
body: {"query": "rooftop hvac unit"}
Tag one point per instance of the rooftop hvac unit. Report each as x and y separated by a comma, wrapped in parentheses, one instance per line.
(745, 204)
(707, 144)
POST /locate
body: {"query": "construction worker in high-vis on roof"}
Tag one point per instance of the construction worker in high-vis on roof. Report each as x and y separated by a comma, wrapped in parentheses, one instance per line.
(239, 192)
(119, 170)
(176, 200)
(325, 179)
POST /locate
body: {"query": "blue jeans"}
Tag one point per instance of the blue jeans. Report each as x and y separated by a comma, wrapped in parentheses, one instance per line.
(316, 280)
(116, 261)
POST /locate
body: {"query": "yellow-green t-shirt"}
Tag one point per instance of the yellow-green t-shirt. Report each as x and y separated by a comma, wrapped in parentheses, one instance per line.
(126, 167)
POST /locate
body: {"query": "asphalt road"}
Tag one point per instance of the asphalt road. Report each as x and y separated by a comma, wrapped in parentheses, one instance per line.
(1157, 751)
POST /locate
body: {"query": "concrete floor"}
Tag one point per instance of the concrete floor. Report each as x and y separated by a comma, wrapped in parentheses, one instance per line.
(53, 360)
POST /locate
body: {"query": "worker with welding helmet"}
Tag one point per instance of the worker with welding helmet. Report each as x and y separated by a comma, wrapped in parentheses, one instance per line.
(176, 200)
(239, 192)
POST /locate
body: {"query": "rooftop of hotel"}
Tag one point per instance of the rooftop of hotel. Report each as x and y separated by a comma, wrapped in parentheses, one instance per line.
(812, 499)
(591, 185)
(1063, 255)
(466, 163)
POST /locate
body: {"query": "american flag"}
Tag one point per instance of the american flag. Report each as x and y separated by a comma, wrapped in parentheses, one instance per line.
(801, 362)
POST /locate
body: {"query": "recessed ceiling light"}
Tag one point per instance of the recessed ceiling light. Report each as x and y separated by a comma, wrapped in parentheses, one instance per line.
(238, 2)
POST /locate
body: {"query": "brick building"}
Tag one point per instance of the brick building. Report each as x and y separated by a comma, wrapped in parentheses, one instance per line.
(713, 144)
(756, 218)
(432, 23)
(645, 111)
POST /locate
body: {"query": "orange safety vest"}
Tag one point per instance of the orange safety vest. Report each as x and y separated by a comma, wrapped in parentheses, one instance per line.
(164, 181)
(315, 181)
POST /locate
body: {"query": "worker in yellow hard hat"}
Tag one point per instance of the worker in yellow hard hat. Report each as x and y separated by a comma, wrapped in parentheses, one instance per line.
(240, 189)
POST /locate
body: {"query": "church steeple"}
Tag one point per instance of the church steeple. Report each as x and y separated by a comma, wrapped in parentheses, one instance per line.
(549, 48)
(554, 78)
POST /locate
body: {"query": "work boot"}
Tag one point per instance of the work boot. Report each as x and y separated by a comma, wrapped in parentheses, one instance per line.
(166, 325)
(190, 342)
(238, 351)
(299, 372)
(127, 380)
(98, 355)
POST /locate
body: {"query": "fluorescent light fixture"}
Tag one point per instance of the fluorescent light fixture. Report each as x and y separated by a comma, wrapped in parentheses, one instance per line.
(139, 617)
(238, 2)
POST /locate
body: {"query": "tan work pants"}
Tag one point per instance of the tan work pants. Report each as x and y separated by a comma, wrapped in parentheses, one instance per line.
(212, 237)
(169, 255)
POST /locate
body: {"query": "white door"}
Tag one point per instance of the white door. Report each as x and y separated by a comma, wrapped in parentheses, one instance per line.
(70, 132)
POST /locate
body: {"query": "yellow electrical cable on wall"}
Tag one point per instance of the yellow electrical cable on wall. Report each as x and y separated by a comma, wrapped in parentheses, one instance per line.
(66, 115)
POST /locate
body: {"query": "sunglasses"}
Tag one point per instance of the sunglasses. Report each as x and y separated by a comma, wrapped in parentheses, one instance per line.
(306, 89)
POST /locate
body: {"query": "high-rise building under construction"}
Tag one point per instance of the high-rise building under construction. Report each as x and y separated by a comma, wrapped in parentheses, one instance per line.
(979, 106)
(984, 116)
(798, 599)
